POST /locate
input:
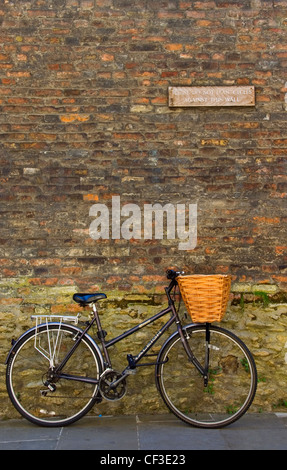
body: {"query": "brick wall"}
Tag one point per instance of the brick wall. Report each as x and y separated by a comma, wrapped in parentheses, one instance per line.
(85, 116)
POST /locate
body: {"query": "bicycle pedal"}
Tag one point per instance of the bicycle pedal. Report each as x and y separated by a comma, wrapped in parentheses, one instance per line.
(98, 398)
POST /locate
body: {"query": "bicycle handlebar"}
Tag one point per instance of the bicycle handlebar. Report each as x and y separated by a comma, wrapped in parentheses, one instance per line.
(171, 274)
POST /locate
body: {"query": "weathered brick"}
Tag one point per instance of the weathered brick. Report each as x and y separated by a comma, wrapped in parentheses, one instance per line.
(85, 116)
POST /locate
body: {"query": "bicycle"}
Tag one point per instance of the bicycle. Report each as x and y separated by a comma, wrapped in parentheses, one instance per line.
(56, 372)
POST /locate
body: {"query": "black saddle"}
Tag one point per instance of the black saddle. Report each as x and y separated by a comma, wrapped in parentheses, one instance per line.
(85, 299)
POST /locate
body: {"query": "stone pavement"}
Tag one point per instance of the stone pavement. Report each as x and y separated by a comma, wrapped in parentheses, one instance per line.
(146, 432)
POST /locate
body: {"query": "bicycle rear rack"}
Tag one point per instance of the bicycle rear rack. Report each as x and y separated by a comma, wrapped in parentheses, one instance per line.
(49, 346)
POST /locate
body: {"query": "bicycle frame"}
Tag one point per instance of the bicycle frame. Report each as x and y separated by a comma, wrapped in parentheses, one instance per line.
(133, 360)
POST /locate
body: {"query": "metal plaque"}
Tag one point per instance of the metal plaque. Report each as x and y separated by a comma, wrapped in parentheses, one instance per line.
(211, 96)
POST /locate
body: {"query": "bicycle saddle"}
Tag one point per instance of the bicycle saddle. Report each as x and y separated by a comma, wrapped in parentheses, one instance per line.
(85, 299)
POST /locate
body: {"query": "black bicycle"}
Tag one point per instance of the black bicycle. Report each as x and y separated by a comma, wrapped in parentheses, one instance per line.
(56, 372)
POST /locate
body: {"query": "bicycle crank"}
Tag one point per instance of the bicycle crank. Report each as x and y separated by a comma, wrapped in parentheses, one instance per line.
(112, 385)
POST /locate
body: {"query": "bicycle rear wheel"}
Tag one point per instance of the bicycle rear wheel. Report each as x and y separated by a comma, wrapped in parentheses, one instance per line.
(232, 378)
(28, 369)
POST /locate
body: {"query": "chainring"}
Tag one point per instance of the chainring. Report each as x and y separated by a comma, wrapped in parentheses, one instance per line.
(108, 391)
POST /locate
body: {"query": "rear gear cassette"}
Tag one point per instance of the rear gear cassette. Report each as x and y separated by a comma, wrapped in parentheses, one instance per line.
(108, 390)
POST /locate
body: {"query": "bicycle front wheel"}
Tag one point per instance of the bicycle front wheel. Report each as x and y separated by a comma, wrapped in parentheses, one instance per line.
(39, 396)
(232, 378)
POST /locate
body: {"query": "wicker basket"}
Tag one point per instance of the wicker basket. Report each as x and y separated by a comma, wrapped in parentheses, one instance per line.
(205, 296)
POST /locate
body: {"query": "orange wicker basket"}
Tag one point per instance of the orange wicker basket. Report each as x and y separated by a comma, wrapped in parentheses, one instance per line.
(205, 296)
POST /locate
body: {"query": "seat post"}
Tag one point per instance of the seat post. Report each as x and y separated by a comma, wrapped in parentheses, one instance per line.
(96, 317)
(101, 334)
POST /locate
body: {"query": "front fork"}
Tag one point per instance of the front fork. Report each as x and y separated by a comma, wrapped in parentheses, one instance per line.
(184, 336)
(207, 348)
(202, 370)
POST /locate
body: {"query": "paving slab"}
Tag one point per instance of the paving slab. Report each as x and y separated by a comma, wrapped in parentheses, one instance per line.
(141, 433)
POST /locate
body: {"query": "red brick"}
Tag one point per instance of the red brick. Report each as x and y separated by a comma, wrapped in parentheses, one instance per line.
(84, 100)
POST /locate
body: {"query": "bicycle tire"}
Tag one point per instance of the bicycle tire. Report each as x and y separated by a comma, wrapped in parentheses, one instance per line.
(27, 369)
(232, 378)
